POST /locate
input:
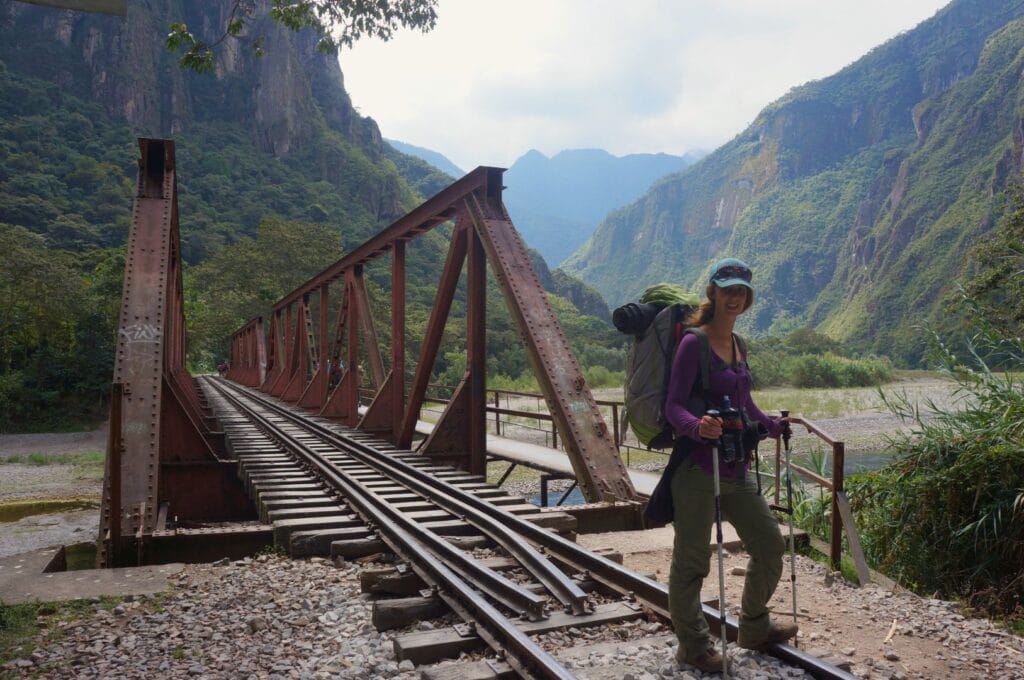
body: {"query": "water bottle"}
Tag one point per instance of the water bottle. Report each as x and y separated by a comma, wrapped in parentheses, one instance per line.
(731, 443)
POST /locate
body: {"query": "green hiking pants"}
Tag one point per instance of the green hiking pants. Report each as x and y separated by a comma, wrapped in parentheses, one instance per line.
(693, 496)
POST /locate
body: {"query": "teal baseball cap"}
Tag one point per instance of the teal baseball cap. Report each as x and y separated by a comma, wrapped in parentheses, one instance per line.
(731, 272)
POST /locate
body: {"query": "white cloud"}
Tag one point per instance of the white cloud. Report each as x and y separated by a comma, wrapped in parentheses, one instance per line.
(495, 79)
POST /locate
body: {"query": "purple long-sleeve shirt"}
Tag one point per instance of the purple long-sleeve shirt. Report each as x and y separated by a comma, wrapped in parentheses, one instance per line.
(736, 383)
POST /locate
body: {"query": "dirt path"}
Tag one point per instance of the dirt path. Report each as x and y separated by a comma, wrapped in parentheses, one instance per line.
(52, 443)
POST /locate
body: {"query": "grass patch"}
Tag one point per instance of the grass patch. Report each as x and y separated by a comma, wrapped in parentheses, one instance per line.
(12, 511)
(89, 458)
(24, 626)
(17, 628)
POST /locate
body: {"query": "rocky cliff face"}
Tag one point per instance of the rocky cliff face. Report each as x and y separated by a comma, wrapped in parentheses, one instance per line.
(288, 98)
(847, 192)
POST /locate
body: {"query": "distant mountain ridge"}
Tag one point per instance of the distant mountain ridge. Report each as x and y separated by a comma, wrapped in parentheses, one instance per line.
(557, 202)
(435, 158)
(854, 197)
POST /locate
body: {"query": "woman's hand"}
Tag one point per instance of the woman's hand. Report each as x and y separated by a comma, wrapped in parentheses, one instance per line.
(710, 427)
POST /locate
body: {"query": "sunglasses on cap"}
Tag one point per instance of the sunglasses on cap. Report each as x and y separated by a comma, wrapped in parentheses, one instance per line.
(732, 272)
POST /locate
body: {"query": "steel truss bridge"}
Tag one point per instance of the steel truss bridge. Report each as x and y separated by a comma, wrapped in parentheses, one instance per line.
(287, 449)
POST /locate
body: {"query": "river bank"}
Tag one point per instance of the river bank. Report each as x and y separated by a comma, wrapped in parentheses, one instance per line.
(70, 465)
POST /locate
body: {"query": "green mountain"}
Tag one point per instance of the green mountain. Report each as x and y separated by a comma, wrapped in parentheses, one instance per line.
(557, 202)
(271, 136)
(855, 198)
(277, 176)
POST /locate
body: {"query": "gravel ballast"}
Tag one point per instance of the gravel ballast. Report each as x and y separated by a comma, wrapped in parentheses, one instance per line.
(272, 617)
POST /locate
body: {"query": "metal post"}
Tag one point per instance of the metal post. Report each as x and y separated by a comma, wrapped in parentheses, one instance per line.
(836, 543)
(476, 353)
(778, 469)
(397, 337)
(616, 435)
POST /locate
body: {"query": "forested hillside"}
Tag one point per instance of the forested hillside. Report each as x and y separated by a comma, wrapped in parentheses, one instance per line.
(277, 175)
(856, 198)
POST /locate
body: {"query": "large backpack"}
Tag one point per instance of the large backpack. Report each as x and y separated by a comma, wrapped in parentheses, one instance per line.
(648, 368)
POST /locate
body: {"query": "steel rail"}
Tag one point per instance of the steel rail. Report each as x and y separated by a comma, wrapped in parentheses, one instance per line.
(373, 509)
(467, 506)
(524, 655)
(651, 593)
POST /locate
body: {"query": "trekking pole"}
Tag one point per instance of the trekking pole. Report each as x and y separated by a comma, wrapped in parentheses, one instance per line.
(786, 434)
(721, 556)
(757, 468)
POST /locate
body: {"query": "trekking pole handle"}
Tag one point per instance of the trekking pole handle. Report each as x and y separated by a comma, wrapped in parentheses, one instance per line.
(787, 432)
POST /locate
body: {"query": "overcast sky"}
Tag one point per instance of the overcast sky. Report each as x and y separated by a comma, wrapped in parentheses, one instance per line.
(495, 79)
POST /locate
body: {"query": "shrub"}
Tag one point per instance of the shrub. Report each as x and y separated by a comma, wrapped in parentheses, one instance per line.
(829, 370)
(811, 370)
(947, 515)
(767, 367)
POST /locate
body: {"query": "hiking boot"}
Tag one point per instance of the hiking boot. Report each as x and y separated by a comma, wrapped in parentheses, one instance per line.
(777, 632)
(708, 661)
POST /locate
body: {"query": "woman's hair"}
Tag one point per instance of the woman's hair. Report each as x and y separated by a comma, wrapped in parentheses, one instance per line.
(706, 311)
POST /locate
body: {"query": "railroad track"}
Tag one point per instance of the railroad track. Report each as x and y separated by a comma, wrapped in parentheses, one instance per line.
(501, 565)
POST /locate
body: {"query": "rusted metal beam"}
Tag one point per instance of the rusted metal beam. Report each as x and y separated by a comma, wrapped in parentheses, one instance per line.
(370, 341)
(160, 423)
(397, 337)
(432, 212)
(476, 355)
(435, 329)
(593, 454)
(483, 233)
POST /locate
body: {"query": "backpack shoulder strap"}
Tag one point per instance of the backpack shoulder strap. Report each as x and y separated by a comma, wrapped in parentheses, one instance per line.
(705, 357)
(742, 344)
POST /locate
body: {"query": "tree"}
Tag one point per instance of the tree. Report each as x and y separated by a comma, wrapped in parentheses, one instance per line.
(339, 23)
(243, 280)
(999, 281)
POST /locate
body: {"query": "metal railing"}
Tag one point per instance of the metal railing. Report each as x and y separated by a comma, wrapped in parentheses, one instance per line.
(842, 517)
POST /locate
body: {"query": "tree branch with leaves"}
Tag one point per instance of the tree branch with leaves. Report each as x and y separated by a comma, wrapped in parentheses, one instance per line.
(339, 23)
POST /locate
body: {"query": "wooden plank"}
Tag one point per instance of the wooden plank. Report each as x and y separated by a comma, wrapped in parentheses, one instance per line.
(477, 670)
(317, 542)
(354, 548)
(403, 611)
(283, 529)
(863, 573)
(399, 612)
(306, 513)
(432, 646)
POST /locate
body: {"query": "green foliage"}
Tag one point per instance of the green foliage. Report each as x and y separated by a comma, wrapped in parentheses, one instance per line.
(241, 281)
(67, 178)
(810, 341)
(829, 370)
(807, 358)
(64, 166)
(998, 282)
(948, 515)
(56, 331)
(339, 23)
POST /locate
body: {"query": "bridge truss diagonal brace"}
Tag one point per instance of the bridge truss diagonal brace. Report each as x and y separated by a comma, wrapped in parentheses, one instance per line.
(594, 456)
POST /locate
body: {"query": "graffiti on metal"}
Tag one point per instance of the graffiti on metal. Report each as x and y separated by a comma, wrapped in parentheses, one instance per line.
(140, 332)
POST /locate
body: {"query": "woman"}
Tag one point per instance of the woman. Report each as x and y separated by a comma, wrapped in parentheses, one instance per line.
(729, 294)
